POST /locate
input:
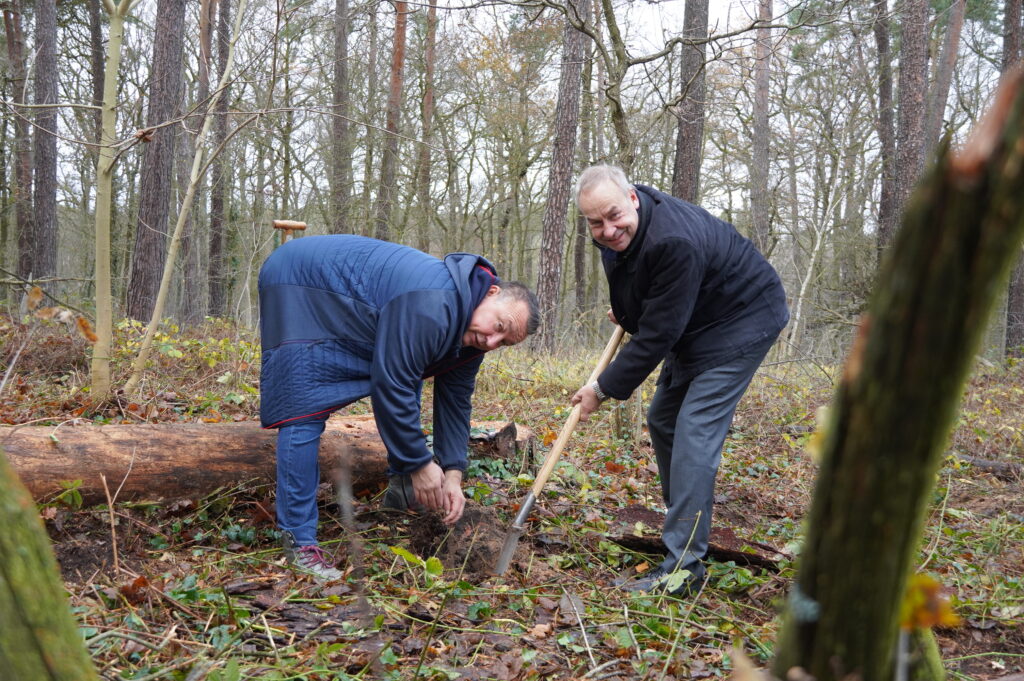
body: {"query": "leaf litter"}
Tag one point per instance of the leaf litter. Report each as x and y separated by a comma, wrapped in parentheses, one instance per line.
(202, 590)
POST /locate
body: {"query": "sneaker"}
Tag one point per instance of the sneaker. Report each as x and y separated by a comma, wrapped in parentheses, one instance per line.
(311, 559)
(400, 495)
(659, 580)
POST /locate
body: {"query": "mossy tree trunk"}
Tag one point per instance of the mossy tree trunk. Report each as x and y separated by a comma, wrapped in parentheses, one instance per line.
(39, 638)
(898, 398)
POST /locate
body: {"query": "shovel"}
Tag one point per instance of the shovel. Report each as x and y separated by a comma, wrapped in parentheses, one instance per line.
(519, 525)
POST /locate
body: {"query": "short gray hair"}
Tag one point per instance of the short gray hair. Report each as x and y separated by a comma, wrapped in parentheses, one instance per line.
(598, 174)
(519, 292)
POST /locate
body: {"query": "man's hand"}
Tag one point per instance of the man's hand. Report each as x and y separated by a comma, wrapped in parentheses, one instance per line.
(611, 317)
(454, 499)
(587, 399)
(428, 483)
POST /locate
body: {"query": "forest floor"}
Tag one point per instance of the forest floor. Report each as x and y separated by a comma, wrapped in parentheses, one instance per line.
(193, 589)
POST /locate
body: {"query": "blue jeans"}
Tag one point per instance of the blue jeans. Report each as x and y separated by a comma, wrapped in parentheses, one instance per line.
(298, 475)
(688, 424)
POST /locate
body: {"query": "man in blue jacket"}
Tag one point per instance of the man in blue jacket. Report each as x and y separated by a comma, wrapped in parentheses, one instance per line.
(697, 295)
(343, 317)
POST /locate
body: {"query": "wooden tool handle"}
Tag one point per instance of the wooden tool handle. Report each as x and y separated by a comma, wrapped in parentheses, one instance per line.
(289, 224)
(574, 417)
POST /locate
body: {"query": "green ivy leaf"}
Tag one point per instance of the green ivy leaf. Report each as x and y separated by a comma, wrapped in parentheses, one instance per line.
(409, 556)
(434, 566)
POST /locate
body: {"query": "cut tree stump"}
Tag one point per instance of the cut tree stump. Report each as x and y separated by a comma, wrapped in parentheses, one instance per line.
(154, 461)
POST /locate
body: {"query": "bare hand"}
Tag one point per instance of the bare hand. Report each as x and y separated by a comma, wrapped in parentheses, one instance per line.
(454, 499)
(587, 399)
(611, 317)
(428, 482)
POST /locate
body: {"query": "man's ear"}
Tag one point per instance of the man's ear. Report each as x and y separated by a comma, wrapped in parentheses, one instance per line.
(494, 290)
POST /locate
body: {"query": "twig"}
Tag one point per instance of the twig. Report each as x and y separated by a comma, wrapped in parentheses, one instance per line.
(583, 629)
(602, 667)
(343, 485)
(270, 637)
(113, 532)
(938, 532)
(14, 360)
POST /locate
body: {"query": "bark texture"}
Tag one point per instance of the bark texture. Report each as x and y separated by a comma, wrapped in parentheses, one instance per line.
(388, 188)
(760, 207)
(554, 225)
(939, 92)
(157, 174)
(898, 398)
(910, 139)
(341, 143)
(423, 160)
(690, 134)
(194, 459)
(22, 193)
(39, 639)
(219, 173)
(44, 142)
(887, 214)
(1012, 54)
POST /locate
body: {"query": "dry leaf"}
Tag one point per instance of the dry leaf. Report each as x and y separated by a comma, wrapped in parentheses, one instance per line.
(541, 630)
(85, 328)
(924, 606)
(34, 297)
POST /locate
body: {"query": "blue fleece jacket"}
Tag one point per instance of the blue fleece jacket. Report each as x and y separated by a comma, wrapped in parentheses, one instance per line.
(343, 317)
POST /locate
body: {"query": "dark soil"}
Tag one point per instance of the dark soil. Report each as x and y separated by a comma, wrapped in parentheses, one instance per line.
(471, 546)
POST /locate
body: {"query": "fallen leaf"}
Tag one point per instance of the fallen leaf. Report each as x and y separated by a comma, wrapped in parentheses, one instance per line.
(541, 630)
(34, 297)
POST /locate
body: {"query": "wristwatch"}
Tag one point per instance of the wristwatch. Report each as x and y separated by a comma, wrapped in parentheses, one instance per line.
(601, 397)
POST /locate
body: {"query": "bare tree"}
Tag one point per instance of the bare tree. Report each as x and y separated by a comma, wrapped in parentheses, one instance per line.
(892, 412)
(157, 174)
(560, 174)
(581, 245)
(427, 117)
(341, 142)
(887, 211)
(910, 135)
(939, 91)
(22, 139)
(44, 142)
(759, 205)
(219, 190)
(100, 366)
(388, 188)
(1013, 53)
(690, 112)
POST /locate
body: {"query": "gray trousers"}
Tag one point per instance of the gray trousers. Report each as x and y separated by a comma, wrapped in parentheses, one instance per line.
(688, 424)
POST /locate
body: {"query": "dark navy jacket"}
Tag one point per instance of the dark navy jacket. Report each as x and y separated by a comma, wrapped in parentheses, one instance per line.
(691, 290)
(343, 317)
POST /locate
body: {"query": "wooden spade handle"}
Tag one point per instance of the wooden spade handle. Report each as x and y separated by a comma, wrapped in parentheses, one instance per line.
(574, 417)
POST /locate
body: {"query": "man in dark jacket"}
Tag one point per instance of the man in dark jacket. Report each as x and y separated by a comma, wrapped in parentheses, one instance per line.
(343, 317)
(695, 293)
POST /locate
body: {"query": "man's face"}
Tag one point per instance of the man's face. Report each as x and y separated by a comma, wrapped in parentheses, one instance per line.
(496, 322)
(612, 215)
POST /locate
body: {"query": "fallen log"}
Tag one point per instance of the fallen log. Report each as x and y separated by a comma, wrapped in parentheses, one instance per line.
(154, 461)
(1004, 470)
